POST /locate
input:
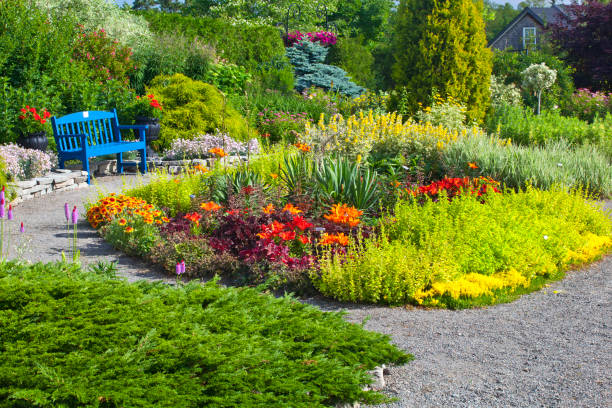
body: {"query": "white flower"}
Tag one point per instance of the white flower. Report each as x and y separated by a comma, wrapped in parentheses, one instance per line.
(545, 237)
(560, 164)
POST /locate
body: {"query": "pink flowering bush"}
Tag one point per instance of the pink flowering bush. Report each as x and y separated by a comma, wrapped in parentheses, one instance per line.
(587, 104)
(325, 38)
(23, 164)
(107, 58)
(200, 146)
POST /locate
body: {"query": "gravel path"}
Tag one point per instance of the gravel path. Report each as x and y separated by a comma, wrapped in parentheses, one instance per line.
(46, 236)
(552, 348)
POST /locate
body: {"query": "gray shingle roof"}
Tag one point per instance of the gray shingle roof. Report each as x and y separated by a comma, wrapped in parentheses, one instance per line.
(548, 14)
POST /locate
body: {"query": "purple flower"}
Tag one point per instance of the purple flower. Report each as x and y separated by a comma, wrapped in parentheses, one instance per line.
(2, 193)
(2, 208)
(75, 215)
(67, 211)
(10, 213)
(21, 229)
(180, 268)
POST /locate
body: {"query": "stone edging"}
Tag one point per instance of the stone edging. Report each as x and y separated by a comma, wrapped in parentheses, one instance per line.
(56, 180)
(109, 167)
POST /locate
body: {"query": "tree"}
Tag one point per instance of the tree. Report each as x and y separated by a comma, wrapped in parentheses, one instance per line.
(503, 15)
(440, 46)
(537, 78)
(585, 34)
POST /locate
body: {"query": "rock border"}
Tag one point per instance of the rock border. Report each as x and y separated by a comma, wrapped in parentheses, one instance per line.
(109, 167)
(54, 181)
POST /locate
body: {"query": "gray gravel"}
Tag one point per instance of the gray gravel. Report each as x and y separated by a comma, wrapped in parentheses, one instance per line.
(552, 348)
(46, 236)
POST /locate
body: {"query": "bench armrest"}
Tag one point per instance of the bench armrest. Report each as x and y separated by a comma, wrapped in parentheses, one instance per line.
(137, 127)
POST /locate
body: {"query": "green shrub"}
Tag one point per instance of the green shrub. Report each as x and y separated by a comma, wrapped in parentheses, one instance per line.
(228, 78)
(504, 94)
(169, 54)
(556, 162)
(192, 107)
(525, 127)
(462, 252)
(448, 113)
(276, 74)
(240, 44)
(509, 65)
(352, 56)
(72, 338)
(170, 193)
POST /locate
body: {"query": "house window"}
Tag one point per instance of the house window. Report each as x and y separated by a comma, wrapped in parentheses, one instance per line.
(529, 37)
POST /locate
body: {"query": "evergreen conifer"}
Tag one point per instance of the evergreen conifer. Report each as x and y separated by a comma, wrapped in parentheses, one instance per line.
(441, 46)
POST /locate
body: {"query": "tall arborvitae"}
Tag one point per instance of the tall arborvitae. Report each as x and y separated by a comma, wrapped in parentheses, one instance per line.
(441, 46)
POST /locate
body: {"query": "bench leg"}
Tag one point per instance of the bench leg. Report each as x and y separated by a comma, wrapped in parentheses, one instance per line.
(60, 162)
(143, 161)
(86, 168)
(120, 163)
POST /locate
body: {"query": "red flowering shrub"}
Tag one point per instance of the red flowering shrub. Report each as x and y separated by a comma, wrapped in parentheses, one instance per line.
(456, 186)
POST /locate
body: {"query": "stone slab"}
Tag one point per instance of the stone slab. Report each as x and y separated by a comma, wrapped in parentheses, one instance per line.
(26, 184)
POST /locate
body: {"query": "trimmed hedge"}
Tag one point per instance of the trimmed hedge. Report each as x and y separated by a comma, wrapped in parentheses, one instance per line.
(242, 45)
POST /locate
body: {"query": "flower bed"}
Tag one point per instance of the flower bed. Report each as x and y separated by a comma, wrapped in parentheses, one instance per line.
(318, 226)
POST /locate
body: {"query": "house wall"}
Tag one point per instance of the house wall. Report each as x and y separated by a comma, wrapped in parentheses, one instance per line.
(514, 37)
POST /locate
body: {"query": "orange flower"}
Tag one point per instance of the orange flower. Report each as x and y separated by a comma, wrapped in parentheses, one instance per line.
(193, 217)
(269, 209)
(343, 214)
(339, 239)
(303, 147)
(287, 235)
(274, 175)
(122, 221)
(165, 219)
(396, 184)
(292, 209)
(210, 206)
(304, 239)
(472, 165)
(129, 230)
(217, 151)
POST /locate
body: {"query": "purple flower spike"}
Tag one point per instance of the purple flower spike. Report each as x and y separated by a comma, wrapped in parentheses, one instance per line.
(2, 208)
(75, 215)
(21, 229)
(2, 193)
(10, 213)
(178, 268)
(182, 266)
(67, 212)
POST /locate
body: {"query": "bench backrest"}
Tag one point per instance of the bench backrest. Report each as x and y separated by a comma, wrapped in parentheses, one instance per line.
(100, 128)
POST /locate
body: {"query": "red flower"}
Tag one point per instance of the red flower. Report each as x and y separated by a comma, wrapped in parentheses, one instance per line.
(287, 235)
(304, 239)
(300, 223)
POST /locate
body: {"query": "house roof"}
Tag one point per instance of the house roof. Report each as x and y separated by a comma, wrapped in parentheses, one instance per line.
(540, 14)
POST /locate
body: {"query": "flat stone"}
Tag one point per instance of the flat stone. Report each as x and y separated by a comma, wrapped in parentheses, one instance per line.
(60, 178)
(201, 162)
(80, 179)
(63, 184)
(26, 183)
(82, 185)
(35, 189)
(44, 180)
(62, 171)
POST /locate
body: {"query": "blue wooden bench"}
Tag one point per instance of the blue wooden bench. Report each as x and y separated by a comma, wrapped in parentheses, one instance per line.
(82, 135)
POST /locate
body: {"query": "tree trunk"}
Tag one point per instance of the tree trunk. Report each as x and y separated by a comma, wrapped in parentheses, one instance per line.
(539, 100)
